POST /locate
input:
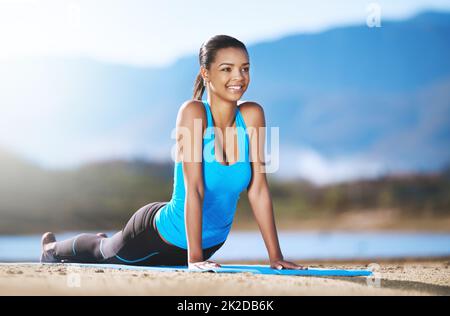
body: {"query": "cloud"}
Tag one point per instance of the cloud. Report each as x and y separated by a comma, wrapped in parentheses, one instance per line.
(305, 162)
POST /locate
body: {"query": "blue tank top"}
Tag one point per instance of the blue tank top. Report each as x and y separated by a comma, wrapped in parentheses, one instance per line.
(222, 187)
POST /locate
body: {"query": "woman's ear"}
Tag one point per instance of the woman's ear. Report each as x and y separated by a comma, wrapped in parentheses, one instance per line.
(204, 73)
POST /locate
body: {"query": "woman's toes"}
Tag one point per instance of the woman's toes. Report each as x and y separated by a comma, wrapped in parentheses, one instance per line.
(48, 237)
(48, 241)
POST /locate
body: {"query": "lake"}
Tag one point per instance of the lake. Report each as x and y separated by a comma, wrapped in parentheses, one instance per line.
(310, 245)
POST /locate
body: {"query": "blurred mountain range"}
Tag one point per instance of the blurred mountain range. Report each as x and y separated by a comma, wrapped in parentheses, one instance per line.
(103, 196)
(350, 102)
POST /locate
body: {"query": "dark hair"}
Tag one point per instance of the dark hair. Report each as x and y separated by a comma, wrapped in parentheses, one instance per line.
(207, 54)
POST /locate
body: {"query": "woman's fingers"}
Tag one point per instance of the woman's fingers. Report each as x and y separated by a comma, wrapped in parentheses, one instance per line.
(288, 265)
(294, 266)
(298, 267)
(203, 265)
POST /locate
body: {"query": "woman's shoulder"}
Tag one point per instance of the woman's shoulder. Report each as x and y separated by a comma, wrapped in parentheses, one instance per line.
(192, 109)
(190, 112)
(252, 112)
(192, 105)
(248, 104)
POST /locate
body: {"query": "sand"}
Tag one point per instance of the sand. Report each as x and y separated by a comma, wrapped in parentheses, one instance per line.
(419, 277)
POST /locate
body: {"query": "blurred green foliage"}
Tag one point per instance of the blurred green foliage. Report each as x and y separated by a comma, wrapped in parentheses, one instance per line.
(104, 195)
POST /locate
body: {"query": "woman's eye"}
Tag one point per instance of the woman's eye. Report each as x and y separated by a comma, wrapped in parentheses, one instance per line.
(229, 69)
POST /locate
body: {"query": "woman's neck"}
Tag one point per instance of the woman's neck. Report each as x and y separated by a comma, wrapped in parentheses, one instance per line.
(223, 111)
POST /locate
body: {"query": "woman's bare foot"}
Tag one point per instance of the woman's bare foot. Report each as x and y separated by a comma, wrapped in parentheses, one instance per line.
(47, 247)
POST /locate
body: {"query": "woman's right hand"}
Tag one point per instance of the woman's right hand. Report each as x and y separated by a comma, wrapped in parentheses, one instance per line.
(203, 265)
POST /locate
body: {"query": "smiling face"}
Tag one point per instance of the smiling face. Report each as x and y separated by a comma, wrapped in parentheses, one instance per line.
(228, 76)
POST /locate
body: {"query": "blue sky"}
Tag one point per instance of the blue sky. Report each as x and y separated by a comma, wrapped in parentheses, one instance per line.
(155, 33)
(143, 32)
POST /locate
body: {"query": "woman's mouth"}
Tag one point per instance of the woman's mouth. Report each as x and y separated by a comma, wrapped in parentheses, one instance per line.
(235, 88)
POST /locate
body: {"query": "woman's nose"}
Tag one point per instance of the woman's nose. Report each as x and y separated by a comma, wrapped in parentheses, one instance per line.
(237, 74)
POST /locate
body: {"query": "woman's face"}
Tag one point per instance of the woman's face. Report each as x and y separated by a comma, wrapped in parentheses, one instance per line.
(229, 76)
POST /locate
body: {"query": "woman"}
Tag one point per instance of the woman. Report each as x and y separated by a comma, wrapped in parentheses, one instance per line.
(194, 224)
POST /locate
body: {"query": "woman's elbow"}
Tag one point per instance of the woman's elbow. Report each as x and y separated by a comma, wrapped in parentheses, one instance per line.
(196, 191)
(257, 192)
(254, 193)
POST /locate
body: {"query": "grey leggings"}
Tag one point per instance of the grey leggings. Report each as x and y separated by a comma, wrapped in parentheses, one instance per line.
(138, 243)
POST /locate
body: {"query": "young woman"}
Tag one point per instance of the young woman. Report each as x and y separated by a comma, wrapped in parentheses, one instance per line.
(215, 162)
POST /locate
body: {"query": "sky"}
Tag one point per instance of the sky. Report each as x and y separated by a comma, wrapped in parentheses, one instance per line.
(156, 33)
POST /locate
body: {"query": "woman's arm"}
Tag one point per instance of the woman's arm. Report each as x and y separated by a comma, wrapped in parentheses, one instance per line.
(190, 146)
(258, 189)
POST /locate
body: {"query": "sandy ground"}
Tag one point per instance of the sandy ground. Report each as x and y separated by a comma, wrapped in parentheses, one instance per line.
(418, 277)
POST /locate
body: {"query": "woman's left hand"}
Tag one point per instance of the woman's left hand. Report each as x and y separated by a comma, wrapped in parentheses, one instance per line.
(282, 264)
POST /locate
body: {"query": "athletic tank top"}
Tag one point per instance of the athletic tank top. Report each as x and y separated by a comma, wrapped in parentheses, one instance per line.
(222, 183)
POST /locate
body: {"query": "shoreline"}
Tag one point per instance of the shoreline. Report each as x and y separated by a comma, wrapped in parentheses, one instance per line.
(376, 248)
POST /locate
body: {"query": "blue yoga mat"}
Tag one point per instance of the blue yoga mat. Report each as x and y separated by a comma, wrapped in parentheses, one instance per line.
(225, 268)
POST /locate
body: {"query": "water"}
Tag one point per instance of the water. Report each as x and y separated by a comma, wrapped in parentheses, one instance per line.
(294, 245)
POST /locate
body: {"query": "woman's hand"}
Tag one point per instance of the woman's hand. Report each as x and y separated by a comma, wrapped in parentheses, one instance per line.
(282, 264)
(203, 265)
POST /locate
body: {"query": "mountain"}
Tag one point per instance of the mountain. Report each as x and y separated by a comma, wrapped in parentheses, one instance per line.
(352, 101)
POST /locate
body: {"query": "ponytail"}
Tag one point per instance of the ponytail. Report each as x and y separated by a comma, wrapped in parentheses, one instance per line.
(199, 88)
